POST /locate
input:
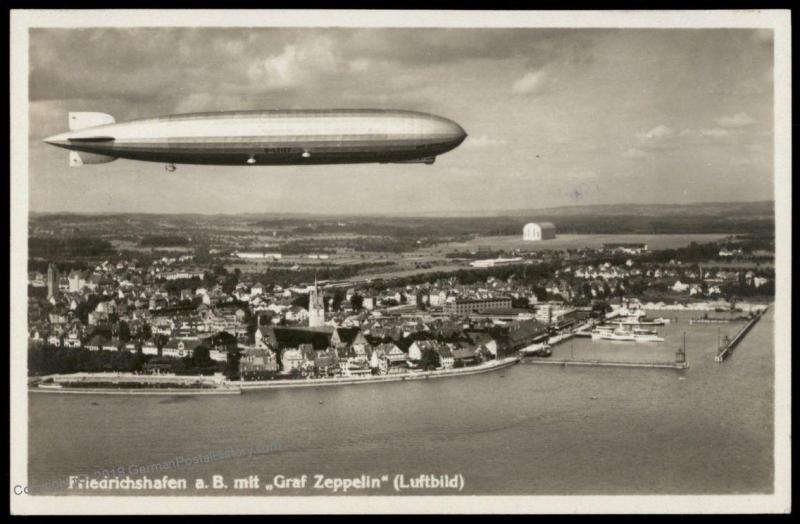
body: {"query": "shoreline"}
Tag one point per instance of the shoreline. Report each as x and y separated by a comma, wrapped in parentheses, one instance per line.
(238, 388)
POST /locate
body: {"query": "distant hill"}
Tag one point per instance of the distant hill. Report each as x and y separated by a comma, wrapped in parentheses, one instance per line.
(760, 209)
(764, 209)
(740, 209)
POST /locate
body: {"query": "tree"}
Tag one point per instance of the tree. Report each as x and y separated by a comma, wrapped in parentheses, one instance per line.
(124, 331)
(201, 356)
(429, 359)
(338, 297)
(160, 340)
(232, 363)
(357, 301)
(301, 300)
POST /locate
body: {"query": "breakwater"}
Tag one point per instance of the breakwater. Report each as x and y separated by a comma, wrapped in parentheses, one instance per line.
(607, 363)
(52, 388)
(726, 349)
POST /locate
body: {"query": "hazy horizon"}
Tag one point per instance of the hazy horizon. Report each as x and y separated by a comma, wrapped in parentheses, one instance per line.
(507, 213)
(555, 117)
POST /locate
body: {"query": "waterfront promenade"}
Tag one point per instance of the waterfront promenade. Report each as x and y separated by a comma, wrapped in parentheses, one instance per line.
(157, 385)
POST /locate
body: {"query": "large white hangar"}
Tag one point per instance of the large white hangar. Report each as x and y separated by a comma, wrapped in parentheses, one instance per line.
(539, 231)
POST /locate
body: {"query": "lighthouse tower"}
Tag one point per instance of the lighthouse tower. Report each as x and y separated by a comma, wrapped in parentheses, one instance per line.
(316, 307)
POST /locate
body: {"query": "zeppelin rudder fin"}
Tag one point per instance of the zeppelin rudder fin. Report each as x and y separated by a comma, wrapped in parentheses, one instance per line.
(83, 120)
(79, 158)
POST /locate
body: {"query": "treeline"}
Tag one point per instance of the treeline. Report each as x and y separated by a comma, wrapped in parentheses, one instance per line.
(163, 241)
(68, 247)
(694, 252)
(408, 230)
(46, 360)
(290, 277)
(526, 273)
(64, 266)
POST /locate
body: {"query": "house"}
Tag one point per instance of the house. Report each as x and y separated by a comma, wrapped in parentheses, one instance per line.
(297, 314)
(149, 348)
(326, 363)
(680, 287)
(388, 358)
(446, 360)
(218, 356)
(350, 344)
(418, 347)
(349, 369)
(480, 338)
(179, 348)
(464, 356)
(291, 359)
(256, 361)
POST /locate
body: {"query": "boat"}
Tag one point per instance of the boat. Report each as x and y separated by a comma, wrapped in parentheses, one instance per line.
(537, 350)
(647, 337)
(609, 333)
(640, 321)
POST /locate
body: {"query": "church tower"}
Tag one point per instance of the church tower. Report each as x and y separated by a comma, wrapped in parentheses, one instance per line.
(52, 281)
(316, 307)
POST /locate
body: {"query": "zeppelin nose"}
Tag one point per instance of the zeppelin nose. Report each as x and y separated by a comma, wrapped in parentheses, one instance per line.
(458, 133)
(58, 140)
(455, 134)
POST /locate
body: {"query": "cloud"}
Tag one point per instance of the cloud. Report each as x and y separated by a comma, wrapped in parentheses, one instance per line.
(657, 134)
(484, 141)
(297, 64)
(737, 120)
(634, 152)
(714, 132)
(663, 137)
(531, 83)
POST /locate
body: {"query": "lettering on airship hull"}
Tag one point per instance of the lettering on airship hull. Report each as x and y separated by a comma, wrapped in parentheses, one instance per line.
(283, 150)
(275, 137)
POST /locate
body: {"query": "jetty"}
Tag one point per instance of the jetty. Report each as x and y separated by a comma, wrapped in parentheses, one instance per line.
(607, 363)
(133, 384)
(725, 349)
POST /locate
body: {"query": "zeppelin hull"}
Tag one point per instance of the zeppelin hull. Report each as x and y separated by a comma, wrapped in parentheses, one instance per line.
(273, 138)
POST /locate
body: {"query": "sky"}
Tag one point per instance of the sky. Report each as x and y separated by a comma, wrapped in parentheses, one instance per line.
(555, 117)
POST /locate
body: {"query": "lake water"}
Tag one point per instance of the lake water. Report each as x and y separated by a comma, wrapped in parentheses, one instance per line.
(525, 430)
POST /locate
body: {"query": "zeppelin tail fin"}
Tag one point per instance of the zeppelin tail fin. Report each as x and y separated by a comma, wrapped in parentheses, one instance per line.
(78, 121)
(79, 158)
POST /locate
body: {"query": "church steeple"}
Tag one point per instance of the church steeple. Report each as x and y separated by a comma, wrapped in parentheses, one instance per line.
(316, 306)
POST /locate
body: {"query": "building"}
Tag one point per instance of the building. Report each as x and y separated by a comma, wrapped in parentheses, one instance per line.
(52, 281)
(630, 248)
(257, 361)
(539, 231)
(495, 262)
(316, 307)
(467, 306)
(258, 255)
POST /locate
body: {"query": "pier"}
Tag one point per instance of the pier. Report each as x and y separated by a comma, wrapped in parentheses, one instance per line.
(726, 349)
(607, 363)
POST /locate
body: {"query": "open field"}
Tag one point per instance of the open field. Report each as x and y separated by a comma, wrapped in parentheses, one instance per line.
(508, 243)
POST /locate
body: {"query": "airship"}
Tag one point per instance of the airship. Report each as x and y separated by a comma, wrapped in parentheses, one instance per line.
(273, 137)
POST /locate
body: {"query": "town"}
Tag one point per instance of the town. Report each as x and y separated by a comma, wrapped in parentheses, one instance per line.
(177, 312)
